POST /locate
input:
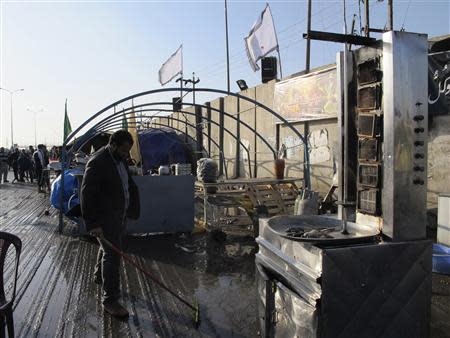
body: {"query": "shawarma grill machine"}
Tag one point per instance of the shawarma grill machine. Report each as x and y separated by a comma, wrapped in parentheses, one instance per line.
(374, 278)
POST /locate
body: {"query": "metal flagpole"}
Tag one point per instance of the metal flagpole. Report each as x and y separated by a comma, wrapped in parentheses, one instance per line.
(390, 15)
(366, 10)
(279, 59)
(308, 40)
(227, 46)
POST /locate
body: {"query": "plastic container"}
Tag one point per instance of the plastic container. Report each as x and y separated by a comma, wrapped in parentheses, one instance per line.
(306, 203)
(279, 165)
(164, 170)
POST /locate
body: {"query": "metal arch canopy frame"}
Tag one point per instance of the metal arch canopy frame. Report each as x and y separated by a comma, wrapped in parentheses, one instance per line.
(116, 122)
(96, 132)
(164, 103)
(306, 165)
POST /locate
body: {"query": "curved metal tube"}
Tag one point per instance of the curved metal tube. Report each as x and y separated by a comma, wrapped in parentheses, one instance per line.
(118, 124)
(222, 157)
(190, 113)
(116, 118)
(306, 165)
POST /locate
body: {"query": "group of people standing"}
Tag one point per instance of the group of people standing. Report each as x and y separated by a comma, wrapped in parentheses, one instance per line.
(27, 165)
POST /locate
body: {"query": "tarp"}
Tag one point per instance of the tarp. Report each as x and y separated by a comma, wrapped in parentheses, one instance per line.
(162, 147)
(70, 191)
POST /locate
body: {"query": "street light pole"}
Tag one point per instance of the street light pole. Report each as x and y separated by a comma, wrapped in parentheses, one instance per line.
(35, 123)
(11, 92)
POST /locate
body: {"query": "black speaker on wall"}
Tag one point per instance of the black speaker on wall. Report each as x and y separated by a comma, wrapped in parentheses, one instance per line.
(268, 69)
(177, 103)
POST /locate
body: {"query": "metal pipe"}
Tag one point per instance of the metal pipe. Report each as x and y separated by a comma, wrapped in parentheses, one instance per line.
(308, 40)
(390, 15)
(367, 25)
(118, 118)
(203, 106)
(227, 46)
(344, 211)
(11, 93)
(222, 157)
(237, 167)
(306, 165)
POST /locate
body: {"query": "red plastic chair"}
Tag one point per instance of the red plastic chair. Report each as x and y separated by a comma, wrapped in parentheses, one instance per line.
(6, 306)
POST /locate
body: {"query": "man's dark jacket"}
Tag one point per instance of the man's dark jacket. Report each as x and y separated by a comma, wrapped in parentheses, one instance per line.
(102, 196)
(37, 162)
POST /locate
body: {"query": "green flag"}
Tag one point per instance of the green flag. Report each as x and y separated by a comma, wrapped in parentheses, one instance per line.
(67, 126)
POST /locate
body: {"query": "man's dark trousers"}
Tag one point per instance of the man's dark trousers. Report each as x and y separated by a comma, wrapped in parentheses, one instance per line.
(107, 268)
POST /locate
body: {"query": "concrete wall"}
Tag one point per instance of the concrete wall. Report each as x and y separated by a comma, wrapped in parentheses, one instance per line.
(438, 158)
(323, 137)
(259, 161)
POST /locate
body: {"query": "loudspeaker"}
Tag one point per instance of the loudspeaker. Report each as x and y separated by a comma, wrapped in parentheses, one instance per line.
(177, 103)
(268, 69)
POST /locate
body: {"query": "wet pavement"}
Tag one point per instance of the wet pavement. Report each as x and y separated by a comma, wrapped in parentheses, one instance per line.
(56, 295)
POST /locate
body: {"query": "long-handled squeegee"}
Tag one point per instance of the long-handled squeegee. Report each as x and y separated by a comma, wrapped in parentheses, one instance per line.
(194, 307)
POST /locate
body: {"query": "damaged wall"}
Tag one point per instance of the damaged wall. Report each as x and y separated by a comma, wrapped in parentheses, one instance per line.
(259, 162)
(323, 141)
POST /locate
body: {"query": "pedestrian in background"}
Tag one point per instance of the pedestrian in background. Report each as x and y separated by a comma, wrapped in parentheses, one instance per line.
(30, 155)
(4, 156)
(13, 162)
(45, 172)
(25, 167)
(39, 164)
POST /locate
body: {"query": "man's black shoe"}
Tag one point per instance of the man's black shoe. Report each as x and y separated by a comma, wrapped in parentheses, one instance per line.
(115, 309)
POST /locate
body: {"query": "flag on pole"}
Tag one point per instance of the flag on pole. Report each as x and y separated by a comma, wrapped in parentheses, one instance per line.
(172, 67)
(262, 38)
(67, 126)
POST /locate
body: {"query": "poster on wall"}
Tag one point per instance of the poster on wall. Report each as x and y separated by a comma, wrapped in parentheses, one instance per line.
(439, 84)
(308, 97)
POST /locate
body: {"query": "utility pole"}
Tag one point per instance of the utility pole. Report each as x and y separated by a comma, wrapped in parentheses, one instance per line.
(227, 46)
(194, 81)
(35, 122)
(390, 15)
(366, 9)
(11, 92)
(180, 79)
(308, 40)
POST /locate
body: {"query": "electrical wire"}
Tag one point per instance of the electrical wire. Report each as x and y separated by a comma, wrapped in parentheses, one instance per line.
(281, 32)
(404, 18)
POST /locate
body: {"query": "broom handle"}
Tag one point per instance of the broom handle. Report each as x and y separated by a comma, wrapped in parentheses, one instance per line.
(146, 273)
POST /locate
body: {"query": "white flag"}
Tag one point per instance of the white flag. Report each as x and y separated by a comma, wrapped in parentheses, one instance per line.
(172, 67)
(262, 38)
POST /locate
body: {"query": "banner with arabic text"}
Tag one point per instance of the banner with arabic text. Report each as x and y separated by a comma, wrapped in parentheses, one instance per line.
(439, 84)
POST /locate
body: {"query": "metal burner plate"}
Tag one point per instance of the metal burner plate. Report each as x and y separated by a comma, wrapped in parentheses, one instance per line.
(320, 230)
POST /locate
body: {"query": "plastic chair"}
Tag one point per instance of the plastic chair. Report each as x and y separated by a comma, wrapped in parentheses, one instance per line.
(6, 306)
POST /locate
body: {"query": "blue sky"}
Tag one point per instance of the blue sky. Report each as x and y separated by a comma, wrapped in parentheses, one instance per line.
(94, 53)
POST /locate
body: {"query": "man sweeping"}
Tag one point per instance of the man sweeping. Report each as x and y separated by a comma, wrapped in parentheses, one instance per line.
(108, 197)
